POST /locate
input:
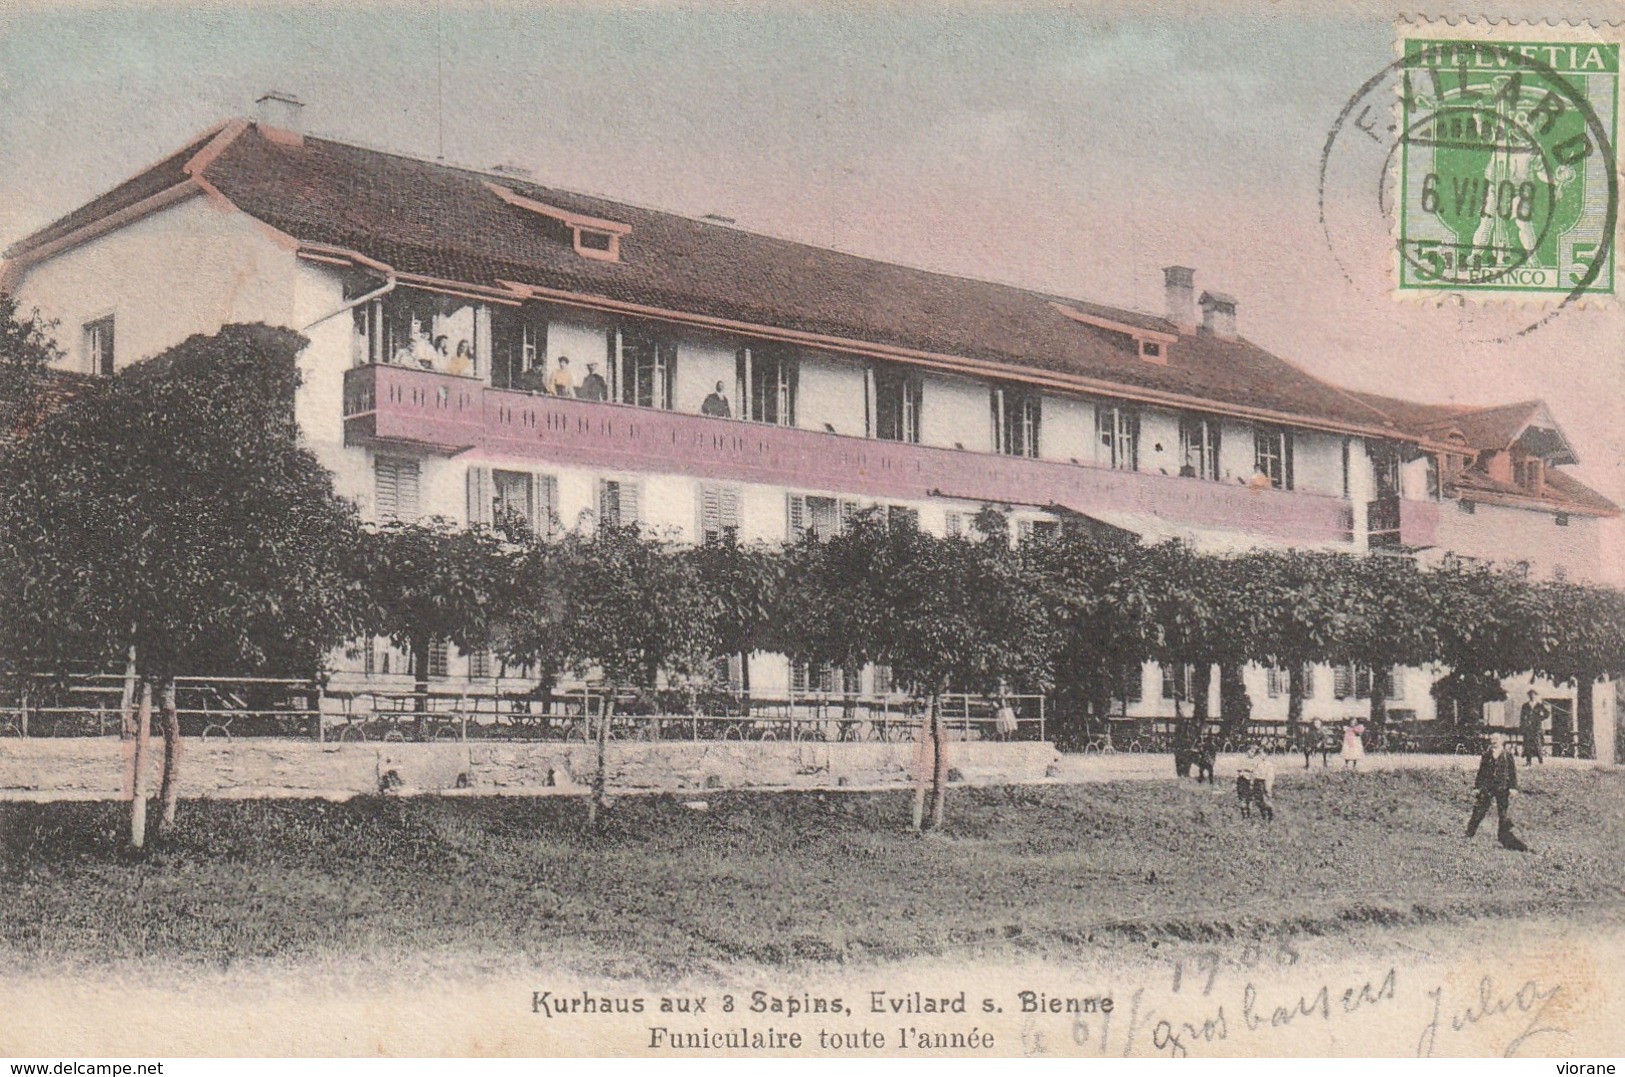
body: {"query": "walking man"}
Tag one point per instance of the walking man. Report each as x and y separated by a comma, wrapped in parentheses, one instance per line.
(1497, 781)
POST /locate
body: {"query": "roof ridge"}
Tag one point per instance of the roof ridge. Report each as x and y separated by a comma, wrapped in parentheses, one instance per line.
(520, 182)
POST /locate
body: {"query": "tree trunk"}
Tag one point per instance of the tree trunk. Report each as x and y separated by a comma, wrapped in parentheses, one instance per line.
(1585, 716)
(1379, 700)
(600, 772)
(1235, 708)
(169, 788)
(939, 764)
(138, 784)
(420, 685)
(1294, 701)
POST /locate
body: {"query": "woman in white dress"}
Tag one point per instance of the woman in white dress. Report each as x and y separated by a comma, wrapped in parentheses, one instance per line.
(1353, 745)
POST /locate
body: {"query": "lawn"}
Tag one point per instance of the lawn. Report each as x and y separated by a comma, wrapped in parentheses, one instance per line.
(792, 878)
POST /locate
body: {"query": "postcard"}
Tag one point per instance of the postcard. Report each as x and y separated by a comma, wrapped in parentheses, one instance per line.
(825, 530)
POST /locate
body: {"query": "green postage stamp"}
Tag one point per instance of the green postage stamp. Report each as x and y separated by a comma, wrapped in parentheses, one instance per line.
(1508, 181)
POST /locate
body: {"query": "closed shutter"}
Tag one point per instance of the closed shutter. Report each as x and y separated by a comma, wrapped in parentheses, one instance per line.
(1309, 682)
(396, 488)
(797, 516)
(710, 523)
(544, 504)
(631, 504)
(1342, 681)
(439, 658)
(479, 497)
(849, 509)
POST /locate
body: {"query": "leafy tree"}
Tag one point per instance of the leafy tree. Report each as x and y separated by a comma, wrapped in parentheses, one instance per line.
(169, 520)
(1296, 624)
(1486, 626)
(1100, 603)
(430, 581)
(1381, 618)
(745, 582)
(945, 614)
(1581, 639)
(634, 608)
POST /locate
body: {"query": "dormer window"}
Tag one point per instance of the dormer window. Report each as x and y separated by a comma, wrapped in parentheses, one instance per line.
(1150, 344)
(590, 237)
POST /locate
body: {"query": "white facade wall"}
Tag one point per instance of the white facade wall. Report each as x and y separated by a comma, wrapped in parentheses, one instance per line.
(830, 394)
(1159, 442)
(1503, 534)
(1317, 464)
(956, 412)
(1066, 429)
(189, 268)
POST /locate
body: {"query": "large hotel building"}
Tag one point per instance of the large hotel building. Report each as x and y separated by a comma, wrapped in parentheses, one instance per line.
(722, 380)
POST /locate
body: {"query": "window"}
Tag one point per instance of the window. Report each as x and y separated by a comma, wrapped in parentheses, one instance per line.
(98, 344)
(439, 658)
(806, 679)
(1117, 431)
(645, 368)
(1278, 682)
(719, 513)
(823, 517)
(901, 516)
(479, 664)
(1129, 686)
(1385, 467)
(897, 405)
(956, 524)
(1037, 530)
(516, 503)
(395, 481)
(1272, 456)
(728, 671)
(1179, 682)
(767, 385)
(519, 340)
(1355, 681)
(1199, 448)
(618, 503)
(1016, 415)
(881, 679)
(1530, 473)
(1394, 682)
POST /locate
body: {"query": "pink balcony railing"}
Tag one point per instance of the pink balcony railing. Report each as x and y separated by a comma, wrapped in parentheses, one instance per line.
(450, 414)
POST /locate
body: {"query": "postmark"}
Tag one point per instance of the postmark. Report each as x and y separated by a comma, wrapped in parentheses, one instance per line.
(1506, 161)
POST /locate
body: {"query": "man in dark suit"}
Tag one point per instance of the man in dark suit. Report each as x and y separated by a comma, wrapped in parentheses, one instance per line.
(1497, 782)
(1532, 724)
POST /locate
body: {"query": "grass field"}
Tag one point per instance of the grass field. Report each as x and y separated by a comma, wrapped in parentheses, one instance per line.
(793, 878)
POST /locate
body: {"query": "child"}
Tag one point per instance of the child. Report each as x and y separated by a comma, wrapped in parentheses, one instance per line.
(1255, 783)
(1353, 745)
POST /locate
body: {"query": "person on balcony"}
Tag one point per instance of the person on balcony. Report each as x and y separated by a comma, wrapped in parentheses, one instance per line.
(462, 364)
(533, 380)
(563, 382)
(716, 405)
(593, 386)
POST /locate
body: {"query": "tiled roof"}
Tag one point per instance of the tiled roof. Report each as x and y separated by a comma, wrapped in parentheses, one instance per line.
(1562, 492)
(160, 177)
(444, 222)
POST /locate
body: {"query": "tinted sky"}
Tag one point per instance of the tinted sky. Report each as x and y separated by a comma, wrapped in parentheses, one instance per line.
(1070, 150)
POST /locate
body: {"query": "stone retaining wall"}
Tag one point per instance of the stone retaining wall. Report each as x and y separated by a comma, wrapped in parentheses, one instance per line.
(93, 767)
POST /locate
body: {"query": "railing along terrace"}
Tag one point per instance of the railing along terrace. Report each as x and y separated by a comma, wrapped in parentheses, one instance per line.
(231, 707)
(451, 414)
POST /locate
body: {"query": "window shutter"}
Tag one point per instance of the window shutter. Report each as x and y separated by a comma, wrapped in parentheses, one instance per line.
(479, 497)
(395, 488)
(1309, 682)
(544, 504)
(849, 509)
(710, 523)
(1342, 681)
(631, 504)
(797, 516)
(954, 524)
(608, 504)
(732, 511)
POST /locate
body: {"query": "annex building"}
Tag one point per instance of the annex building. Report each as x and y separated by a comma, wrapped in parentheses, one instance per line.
(498, 352)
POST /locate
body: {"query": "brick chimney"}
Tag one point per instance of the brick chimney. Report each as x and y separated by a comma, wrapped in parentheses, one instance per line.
(1219, 315)
(277, 115)
(1179, 283)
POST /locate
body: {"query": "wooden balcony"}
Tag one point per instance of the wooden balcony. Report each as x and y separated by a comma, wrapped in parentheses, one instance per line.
(1393, 522)
(444, 414)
